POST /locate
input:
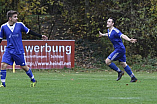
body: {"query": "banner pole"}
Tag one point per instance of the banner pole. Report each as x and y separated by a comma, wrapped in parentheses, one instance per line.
(14, 67)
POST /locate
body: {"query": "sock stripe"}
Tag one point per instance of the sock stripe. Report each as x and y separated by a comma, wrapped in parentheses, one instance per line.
(2, 80)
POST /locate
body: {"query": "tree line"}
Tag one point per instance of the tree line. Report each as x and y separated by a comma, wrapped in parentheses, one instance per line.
(81, 20)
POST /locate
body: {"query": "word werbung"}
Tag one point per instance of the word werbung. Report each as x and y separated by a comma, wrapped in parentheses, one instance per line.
(48, 48)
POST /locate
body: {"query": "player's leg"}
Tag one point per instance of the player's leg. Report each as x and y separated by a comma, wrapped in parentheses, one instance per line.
(115, 68)
(127, 68)
(6, 59)
(3, 74)
(20, 60)
(113, 57)
(112, 65)
(28, 72)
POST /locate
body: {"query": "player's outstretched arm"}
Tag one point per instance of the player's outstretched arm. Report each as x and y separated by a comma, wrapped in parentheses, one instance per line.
(128, 39)
(35, 34)
(101, 34)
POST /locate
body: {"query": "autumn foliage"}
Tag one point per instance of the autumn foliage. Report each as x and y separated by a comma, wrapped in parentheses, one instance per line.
(80, 20)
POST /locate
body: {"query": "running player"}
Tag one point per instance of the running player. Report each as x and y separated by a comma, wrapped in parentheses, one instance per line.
(119, 50)
(12, 30)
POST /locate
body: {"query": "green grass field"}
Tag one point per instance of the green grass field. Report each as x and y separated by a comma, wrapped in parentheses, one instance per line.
(79, 88)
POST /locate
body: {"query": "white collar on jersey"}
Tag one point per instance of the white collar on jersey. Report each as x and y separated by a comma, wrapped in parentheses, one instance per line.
(11, 27)
(110, 31)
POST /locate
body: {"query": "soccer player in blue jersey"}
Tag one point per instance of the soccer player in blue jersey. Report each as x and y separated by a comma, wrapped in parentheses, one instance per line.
(12, 31)
(115, 37)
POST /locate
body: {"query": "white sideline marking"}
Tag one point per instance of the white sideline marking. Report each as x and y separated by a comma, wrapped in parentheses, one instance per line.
(123, 97)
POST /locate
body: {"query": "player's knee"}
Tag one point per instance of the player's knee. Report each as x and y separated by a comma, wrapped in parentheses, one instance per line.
(108, 62)
(3, 66)
(123, 64)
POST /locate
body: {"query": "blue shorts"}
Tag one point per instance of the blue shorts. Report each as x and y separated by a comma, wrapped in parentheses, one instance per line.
(10, 58)
(117, 55)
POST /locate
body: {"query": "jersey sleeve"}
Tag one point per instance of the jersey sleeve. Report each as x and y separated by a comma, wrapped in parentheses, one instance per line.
(119, 33)
(24, 28)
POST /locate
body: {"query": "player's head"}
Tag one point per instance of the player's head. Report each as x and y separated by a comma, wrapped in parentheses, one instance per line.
(110, 22)
(12, 16)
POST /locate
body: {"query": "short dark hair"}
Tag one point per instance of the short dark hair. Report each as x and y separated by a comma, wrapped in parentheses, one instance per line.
(112, 19)
(11, 13)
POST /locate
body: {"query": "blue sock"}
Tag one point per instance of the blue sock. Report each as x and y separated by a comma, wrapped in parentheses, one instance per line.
(30, 74)
(3, 76)
(129, 72)
(114, 67)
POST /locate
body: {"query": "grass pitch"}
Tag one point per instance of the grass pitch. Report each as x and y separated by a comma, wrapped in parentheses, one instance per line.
(79, 88)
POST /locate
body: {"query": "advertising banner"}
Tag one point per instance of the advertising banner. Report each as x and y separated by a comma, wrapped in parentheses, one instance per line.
(50, 54)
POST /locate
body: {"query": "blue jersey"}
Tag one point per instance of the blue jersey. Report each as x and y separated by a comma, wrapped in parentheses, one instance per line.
(13, 35)
(115, 37)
